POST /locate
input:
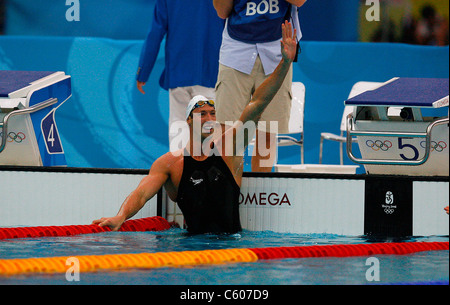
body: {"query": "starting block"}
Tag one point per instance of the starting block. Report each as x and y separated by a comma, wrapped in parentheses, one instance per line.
(28, 132)
(402, 127)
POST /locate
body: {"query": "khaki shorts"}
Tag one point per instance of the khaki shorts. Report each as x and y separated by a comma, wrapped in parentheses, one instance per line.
(234, 90)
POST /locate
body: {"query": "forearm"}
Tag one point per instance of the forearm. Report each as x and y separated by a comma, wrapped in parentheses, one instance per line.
(223, 7)
(146, 190)
(269, 88)
(132, 204)
(152, 43)
(149, 54)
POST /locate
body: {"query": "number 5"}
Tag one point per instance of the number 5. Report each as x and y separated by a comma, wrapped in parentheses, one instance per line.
(401, 146)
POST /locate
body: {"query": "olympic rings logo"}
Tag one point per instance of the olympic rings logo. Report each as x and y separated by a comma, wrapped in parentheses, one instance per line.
(389, 211)
(379, 145)
(15, 137)
(438, 147)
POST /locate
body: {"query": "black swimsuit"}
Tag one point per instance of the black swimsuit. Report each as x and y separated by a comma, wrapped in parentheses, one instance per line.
(208, 196)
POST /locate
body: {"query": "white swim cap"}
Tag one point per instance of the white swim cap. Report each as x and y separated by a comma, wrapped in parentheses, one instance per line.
(196, 102)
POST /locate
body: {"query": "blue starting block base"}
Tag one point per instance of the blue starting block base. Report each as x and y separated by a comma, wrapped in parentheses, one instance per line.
(28, 132)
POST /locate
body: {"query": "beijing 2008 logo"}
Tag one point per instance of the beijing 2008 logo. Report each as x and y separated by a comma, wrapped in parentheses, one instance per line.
(389, 207)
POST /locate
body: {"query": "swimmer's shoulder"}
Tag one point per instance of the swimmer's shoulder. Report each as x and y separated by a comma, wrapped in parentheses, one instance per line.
(170, 160)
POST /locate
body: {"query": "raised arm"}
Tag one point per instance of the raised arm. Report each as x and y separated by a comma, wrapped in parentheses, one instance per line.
(267, 90)
(223, 7)
(261, 98)
(147, 188)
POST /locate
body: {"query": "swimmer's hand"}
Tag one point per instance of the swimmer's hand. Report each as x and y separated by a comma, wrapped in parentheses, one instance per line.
(289, 42)
(114, 223)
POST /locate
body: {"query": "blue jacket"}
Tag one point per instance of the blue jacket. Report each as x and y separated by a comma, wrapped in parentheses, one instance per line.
(258, 21)
(193, 34)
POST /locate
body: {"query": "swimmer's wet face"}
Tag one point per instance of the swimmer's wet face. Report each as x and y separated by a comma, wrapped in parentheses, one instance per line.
(207, 116)
(202, 121)
(200, 106)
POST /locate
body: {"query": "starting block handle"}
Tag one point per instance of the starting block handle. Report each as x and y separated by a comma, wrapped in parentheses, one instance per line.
(426, 135)
(34, 108)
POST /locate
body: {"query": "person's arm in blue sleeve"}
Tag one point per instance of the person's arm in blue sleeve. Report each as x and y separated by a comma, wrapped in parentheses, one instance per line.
(152, 44)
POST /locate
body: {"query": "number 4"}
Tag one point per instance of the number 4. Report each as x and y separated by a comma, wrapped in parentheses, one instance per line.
(51, 137)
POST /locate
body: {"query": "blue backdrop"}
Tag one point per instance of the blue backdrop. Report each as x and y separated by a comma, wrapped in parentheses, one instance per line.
(108, 123)
(324, 20)
(119, 19)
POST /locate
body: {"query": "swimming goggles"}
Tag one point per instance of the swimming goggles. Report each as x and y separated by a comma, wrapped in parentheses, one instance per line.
(202, 103)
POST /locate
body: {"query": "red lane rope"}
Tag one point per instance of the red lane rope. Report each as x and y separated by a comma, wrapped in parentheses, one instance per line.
(348, 250)
(133, 225)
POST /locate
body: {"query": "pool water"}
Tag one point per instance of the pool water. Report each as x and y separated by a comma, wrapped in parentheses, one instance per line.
(417, 267)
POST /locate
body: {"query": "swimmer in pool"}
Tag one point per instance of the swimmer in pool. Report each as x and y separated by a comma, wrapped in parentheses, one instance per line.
(204, 177)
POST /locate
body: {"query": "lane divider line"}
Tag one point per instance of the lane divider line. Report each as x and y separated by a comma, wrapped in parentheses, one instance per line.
(132, 225)
(91, 263)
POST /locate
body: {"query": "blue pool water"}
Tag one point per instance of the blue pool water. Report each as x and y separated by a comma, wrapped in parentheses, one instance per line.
(418, 267)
